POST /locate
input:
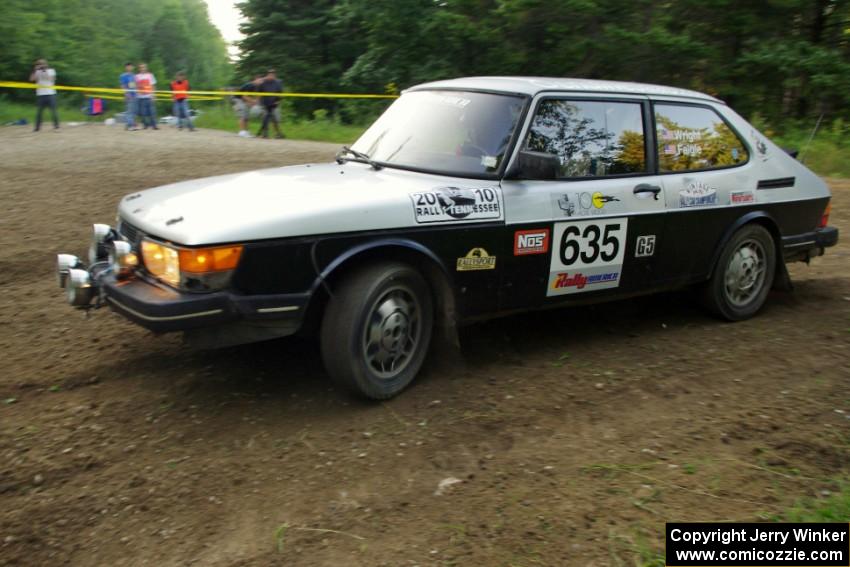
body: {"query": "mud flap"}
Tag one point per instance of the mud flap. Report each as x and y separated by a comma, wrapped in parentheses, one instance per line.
(446, 354)
(782, 279)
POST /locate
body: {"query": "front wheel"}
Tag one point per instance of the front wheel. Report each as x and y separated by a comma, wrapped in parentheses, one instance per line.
(744, 274)
(377, 328)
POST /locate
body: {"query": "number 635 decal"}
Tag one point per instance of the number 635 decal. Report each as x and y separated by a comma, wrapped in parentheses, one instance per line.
(589, 243)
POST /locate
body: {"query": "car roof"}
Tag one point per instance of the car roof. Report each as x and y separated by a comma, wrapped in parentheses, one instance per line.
(534, 85)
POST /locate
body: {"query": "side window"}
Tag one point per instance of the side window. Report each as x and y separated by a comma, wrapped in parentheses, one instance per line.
(591, 139)
(693, 138)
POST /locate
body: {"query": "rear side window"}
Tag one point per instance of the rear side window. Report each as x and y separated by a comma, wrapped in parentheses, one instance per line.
(590, 138)
(693, 138)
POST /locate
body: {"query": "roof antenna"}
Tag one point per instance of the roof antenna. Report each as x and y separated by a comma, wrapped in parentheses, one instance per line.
(811, 137)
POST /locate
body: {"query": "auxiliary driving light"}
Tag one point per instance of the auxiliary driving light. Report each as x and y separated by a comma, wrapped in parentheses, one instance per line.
(97, 249)
(64, 263)
(79, 289)
(122, 259)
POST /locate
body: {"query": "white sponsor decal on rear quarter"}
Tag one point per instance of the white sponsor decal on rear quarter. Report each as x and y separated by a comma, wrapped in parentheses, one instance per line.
(697, 194)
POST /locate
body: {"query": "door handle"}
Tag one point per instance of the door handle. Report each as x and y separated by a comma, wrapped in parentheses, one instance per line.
(647, 188)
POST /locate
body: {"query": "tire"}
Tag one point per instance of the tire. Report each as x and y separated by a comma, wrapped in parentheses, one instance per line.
(743, 275)
(377, 328)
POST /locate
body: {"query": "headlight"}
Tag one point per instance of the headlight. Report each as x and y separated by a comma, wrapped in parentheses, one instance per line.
(198, 269)
(161, 261)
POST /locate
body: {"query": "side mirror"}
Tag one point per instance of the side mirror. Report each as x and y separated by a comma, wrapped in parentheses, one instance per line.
(792, 153)
(535, 165)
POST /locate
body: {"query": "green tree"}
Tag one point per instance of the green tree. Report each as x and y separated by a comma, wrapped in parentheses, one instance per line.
(88, 41)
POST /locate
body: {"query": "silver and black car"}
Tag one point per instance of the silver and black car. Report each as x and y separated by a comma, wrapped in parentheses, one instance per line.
(467, 198)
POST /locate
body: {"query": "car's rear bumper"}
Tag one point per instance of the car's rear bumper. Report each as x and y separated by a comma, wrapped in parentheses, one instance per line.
(809, 244)
(163, 309)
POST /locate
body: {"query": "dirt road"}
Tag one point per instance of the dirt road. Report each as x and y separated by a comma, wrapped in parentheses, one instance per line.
(574, 434)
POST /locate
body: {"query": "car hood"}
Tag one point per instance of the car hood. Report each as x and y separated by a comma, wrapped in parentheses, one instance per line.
(282, 202)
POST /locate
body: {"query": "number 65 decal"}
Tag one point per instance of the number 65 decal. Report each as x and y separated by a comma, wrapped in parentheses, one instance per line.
(589, 243)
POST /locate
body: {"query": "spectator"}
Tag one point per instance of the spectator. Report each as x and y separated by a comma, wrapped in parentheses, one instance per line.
(179, 86)
(243, 104)
(271, 104)
(45, 95)
(145, 83)
(128, 83)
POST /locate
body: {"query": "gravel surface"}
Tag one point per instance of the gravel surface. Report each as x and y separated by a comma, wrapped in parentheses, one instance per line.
(568, 437)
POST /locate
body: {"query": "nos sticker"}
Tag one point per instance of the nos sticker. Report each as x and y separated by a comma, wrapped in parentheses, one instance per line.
(587, 256)
(448, 204)
(534, 241)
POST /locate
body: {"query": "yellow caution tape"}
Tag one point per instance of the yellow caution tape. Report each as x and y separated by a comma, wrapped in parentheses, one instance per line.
(163, 98)
(21, 85)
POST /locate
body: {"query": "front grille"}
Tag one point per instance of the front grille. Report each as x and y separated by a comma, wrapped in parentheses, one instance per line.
(130, 232)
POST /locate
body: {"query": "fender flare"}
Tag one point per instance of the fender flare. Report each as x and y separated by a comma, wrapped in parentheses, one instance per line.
(403, 243)
(447, 341)
(760, 216)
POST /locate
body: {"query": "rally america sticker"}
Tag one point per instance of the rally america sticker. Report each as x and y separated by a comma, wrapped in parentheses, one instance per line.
(452, 204)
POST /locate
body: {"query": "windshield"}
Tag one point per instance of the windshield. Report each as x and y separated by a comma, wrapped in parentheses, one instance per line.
(451, 132)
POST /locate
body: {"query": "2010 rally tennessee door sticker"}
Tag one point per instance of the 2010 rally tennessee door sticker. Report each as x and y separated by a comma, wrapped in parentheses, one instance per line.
(587, 256)
(448, 204)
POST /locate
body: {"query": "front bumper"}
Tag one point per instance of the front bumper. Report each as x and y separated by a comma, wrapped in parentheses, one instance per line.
(162, 309)
(220, 317)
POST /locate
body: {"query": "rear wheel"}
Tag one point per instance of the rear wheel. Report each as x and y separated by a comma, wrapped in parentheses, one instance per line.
(744, 274)
(377, 328)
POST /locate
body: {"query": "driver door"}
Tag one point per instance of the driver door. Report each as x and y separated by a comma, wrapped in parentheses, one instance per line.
(596, 225)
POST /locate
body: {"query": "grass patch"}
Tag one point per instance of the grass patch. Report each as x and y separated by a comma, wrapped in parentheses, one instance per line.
(13, 111)
(833, 508)
(215, 115)
(633, 550)
(279, 535)
(219, 116)
(637, 549)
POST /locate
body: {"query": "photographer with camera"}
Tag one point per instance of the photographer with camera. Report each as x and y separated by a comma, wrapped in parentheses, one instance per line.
(45, 95)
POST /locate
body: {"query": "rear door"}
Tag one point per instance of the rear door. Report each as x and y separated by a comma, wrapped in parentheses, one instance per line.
(709, 182)
(592, 231)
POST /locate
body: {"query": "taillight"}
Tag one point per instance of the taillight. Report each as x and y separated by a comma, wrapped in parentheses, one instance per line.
(824, 219)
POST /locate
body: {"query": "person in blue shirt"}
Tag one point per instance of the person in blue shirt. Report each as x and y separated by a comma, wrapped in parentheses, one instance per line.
(128, 83)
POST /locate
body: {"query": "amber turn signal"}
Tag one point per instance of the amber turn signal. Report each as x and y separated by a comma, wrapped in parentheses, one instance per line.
(202, 260)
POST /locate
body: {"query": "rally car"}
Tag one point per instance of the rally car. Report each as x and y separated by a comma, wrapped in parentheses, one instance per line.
(466, 199)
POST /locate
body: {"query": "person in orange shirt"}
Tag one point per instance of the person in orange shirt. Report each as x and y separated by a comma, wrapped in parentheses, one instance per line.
(179, 88)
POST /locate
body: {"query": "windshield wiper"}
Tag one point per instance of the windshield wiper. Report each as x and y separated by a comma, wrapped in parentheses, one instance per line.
(359, 157)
